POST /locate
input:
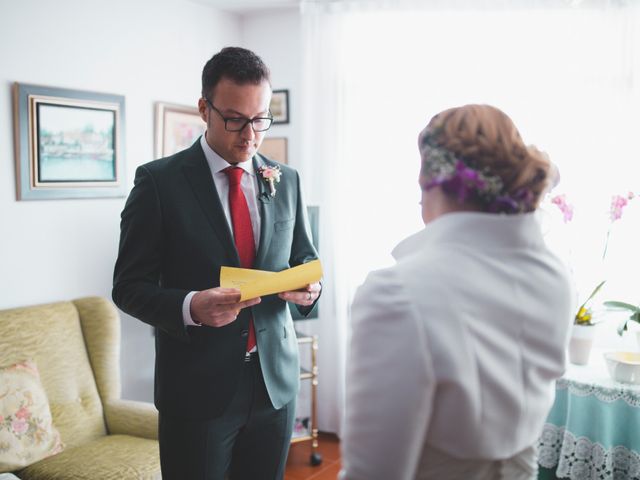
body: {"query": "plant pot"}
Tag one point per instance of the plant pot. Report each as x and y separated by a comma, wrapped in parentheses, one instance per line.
(580, 343)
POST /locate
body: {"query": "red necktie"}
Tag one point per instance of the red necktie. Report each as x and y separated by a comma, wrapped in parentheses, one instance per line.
(242, 231)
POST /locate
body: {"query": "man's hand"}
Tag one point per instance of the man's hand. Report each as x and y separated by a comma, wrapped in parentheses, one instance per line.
(217, 307)
(305, 296)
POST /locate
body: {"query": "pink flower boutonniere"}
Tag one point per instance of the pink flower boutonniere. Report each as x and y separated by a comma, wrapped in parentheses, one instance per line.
(271, 175)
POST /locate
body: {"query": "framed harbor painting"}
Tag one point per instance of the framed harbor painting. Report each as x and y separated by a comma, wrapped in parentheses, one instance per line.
(68, 143)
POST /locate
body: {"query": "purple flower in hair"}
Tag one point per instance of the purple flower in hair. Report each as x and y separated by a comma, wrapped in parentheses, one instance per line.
(465, 183)
(503, 204)
(520, 201)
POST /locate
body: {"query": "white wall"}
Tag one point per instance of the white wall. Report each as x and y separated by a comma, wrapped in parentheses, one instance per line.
(276, 36)
(145, 50)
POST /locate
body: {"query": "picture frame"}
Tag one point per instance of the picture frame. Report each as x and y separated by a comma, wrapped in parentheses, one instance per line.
(176, 127)
(279, 106)
(275, 148)
(68, 143)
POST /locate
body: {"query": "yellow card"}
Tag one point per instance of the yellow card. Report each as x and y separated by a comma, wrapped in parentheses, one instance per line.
(233, 277)
(255, 283)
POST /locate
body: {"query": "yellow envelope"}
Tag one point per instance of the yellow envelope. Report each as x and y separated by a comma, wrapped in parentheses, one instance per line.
(255, 283)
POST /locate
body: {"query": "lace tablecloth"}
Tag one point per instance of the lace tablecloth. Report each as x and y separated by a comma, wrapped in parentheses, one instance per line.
(593, 429)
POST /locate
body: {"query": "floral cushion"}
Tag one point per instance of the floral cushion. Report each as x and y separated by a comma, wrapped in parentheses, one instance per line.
(27, 434)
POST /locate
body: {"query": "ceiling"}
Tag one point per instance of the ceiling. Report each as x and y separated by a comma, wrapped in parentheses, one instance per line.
(247, 6)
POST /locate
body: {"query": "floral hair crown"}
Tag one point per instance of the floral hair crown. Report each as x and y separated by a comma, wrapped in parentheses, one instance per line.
(457, 176)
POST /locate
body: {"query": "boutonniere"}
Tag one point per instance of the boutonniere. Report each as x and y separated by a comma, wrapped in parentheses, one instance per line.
(271, 175)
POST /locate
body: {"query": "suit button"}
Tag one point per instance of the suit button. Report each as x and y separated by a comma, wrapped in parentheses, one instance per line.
(244, 333)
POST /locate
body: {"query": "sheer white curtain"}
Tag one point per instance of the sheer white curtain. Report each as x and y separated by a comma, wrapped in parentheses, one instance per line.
(566, 72)
(324, 184)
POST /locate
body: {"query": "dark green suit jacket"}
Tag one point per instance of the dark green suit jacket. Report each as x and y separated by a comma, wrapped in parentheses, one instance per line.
(174, 239)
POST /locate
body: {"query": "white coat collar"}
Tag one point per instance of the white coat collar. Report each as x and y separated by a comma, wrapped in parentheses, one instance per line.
(482, 230)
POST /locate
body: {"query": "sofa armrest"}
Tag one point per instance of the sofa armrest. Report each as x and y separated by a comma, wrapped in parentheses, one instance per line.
(127, 417)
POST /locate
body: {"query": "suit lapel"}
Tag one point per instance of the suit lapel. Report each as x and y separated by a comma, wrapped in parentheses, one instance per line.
(198, 175)
(266, 205)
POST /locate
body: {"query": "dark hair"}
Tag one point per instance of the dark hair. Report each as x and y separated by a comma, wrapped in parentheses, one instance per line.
(240, 65)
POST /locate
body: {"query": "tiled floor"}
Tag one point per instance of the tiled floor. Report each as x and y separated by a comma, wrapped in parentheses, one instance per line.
(299, 468)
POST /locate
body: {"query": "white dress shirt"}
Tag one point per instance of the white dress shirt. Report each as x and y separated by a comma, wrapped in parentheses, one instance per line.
(455, 350)
(249, 185)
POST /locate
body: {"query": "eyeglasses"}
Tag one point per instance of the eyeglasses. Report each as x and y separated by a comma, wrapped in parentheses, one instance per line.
(237, 124)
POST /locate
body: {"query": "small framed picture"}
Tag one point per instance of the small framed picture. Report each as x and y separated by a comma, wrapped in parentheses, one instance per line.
(176, 128)
(69, 143)
(274, 148)
(279, 106)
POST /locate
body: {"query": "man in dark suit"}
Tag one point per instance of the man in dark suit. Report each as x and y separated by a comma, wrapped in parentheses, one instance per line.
(226, 371)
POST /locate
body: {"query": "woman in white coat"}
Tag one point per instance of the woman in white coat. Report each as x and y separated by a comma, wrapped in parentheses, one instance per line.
(455, 348)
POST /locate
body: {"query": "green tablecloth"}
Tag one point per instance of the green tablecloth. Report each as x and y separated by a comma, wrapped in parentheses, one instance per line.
(593, 429)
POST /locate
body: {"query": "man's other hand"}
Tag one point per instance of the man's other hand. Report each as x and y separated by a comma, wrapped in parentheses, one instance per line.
(305, 296)
(217, 307)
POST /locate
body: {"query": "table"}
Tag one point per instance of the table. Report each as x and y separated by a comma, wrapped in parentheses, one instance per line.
(593, 428)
